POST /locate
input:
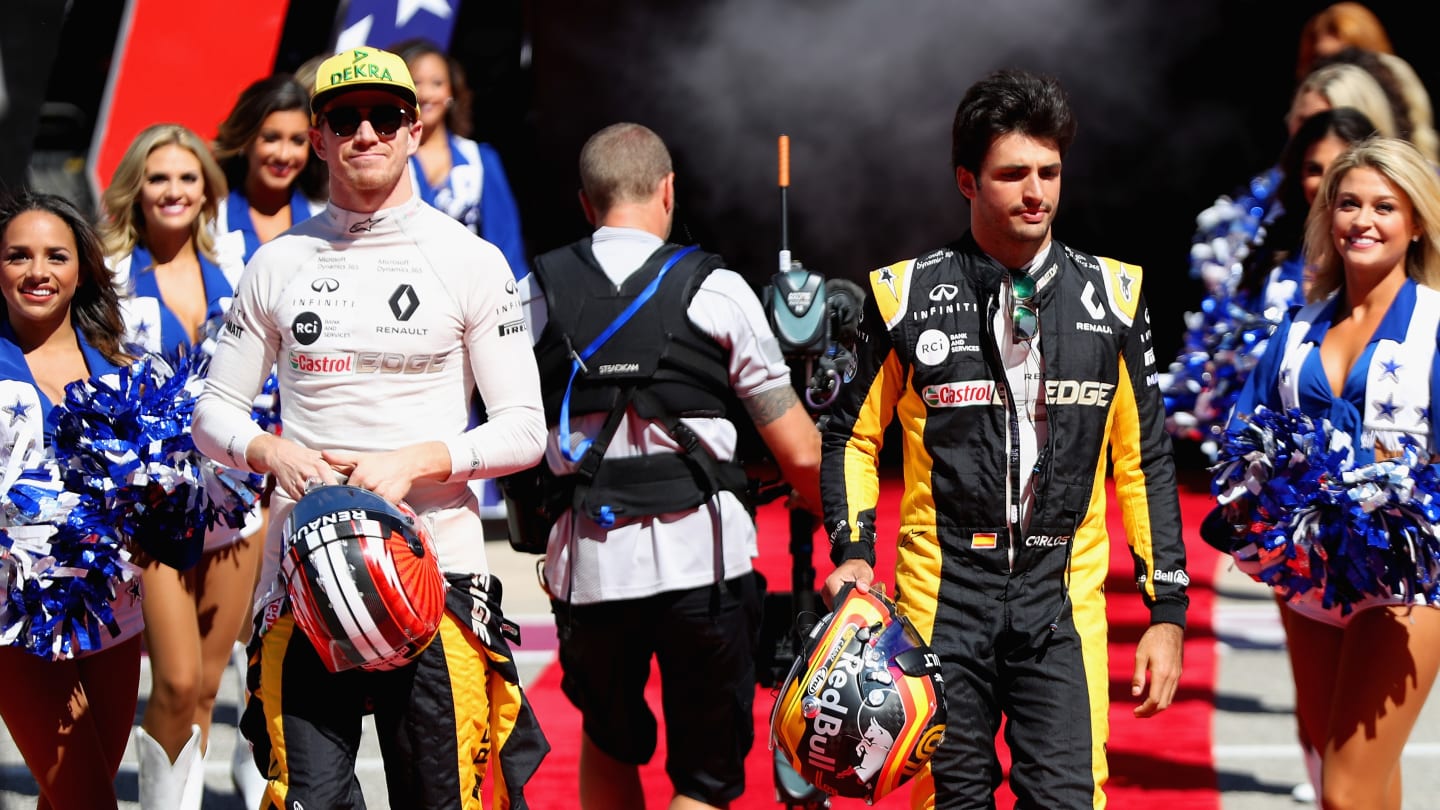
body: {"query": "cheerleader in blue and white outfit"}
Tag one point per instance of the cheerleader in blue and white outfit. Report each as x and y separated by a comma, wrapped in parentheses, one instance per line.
(1273, 278)
(161, 207)
(1238, 243)
(263, 146)
(69, 692)
(463, 178)
(1364, 356)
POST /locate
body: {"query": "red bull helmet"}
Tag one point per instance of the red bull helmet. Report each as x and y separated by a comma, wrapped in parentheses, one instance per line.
(864, 705)
(363, 579)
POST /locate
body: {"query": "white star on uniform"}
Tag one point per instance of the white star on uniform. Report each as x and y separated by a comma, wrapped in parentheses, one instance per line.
(405, 9)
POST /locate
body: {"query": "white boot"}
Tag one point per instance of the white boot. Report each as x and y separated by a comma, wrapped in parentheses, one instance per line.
(162, 782)
(249, 782)
(194, 792)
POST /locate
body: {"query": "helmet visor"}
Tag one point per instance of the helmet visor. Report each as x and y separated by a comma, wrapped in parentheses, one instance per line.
(900, 643)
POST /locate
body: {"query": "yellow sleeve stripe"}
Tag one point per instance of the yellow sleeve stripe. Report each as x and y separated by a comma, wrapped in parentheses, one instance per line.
(862, 451)
(1130, 489)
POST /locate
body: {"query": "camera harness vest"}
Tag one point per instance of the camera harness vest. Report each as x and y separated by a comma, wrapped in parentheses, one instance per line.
(618, 350)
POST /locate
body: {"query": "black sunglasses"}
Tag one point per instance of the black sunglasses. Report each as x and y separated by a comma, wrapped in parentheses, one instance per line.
(1023, 315)
(386, 119)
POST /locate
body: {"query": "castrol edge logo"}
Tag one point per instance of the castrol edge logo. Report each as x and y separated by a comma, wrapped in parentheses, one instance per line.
(342, 363)
(982, 392)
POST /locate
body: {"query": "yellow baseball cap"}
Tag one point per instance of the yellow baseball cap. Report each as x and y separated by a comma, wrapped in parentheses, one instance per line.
(362, 69)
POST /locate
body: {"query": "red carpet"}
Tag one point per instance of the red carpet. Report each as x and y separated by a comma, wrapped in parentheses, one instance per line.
(1160, 762)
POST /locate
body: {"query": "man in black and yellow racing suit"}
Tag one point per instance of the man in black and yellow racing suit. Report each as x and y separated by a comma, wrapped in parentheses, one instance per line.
(1012, 361)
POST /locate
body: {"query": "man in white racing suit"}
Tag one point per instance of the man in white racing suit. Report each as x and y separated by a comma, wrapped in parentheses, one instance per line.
(384, 317)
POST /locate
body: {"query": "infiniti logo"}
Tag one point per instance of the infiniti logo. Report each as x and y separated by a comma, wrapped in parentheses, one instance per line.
(404, 302)
(944, 292)
(325, 285)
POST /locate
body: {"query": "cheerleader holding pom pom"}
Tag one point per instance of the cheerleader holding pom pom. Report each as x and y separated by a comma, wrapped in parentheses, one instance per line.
(70, 611)
(174, 279)
(1248, 252)
(96, 466)
(1325, 480)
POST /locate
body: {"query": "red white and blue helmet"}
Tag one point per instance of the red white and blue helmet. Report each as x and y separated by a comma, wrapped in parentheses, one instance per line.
(864, 706)
(363, 579)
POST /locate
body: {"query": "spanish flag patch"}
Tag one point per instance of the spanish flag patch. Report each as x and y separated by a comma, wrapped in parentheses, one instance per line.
(982, 540)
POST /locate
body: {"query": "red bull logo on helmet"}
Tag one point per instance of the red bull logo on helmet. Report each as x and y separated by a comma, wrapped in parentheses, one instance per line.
(826, 711)
(864, 708)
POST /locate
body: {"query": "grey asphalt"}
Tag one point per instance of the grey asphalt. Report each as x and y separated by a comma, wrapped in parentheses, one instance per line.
(1257, 760)
(1255, 754)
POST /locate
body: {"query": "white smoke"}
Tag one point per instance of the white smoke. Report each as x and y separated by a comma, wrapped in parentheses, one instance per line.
(867, 91)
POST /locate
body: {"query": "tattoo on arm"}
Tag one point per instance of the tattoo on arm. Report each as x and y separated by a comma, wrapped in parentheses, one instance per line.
(768, 406)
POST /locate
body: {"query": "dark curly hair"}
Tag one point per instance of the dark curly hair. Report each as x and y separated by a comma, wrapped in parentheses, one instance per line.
(457, 118)
(1285, 234)
(278, 93)
(95, 309)
(1009, 101)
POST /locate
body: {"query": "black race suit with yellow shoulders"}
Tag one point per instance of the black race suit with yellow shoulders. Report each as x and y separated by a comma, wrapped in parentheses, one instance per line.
(1015, 610)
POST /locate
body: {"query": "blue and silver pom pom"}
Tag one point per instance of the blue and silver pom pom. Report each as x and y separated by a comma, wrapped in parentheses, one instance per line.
(1226, 336)
(61, 565)
(1312, 522)
(124, 439)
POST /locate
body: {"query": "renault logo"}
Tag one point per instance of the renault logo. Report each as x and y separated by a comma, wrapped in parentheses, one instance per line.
(1092, 306)
(325, 285)
(403, 302)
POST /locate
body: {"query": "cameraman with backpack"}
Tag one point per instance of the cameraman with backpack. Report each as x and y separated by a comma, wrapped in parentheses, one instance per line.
(640, 344)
